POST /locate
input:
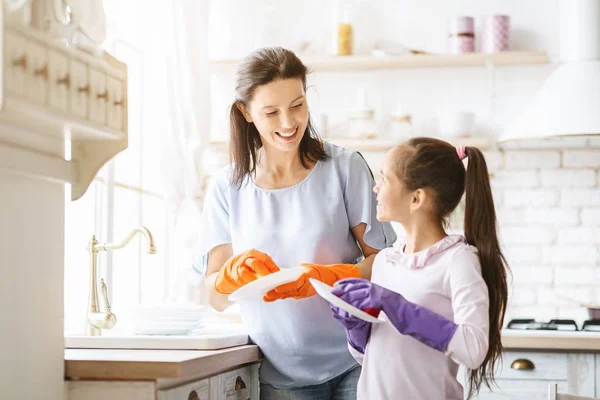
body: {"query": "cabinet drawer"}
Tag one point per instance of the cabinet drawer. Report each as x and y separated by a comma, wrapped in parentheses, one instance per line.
(36, 80)
(116, 103)
(239, 384)
(519, 390)
(15, 63)
(59, 79)
(98, 97)
(79, 92)
(549, 366)
(199, 390)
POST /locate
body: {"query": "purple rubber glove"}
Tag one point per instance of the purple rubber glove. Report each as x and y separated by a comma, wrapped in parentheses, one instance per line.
(357, 330)
(409, 319)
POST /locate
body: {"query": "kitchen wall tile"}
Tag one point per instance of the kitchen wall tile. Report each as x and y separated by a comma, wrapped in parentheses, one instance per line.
(570, 254)
(521, 296)
(590, 216)
(568, 178)
(581, 158)
(519, 254)
(553, 216)
(531, 159)
(583, 235)
(494, 160)
(527, 235)
(584, 276)
(516, 179)
(552, 296)
(536, 275)
(580, 197)
(531, 197)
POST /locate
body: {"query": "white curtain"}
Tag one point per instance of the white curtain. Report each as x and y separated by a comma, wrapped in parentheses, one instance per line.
(172, 34)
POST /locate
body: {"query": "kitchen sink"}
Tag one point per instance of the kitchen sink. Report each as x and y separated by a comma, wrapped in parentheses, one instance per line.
(197, 341)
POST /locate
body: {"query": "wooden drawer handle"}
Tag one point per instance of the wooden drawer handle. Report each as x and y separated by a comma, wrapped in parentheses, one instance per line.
(66, 80)
(193, 395)
(20, 62)
(239, 383)
(118, 103)
(84, 89)
(43, 72)
(522, 364)
(103, 95)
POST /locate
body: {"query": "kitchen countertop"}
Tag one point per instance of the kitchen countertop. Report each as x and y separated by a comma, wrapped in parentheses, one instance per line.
(550, 340)
(164, 366)
(169, 366)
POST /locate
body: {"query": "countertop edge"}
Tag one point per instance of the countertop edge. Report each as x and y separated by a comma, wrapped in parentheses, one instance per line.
(203, 366)
(545, 340)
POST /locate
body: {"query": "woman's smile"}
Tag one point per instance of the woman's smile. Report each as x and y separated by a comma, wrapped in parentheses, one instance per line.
(287, 136)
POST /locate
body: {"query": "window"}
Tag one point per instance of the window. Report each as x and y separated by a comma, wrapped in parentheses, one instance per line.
(133, 182)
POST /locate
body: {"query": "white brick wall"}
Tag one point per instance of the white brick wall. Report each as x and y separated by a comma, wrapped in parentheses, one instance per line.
(549, 223)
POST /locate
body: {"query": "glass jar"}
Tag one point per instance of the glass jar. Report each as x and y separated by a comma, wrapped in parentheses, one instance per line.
(342, 41)
(462, 35)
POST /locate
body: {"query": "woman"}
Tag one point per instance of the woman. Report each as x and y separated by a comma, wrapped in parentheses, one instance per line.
(288, 198)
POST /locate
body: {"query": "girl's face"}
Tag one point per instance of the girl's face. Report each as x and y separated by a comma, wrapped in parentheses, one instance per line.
(279, 112)
(393, 200)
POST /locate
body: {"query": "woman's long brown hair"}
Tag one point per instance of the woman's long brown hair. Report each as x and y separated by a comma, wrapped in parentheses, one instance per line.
(259, 68)
(435, 165)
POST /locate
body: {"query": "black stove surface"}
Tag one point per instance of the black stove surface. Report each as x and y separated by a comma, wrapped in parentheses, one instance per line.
(592, 325)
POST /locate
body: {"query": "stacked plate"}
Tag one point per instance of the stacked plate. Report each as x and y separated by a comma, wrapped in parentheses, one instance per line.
(174, 319)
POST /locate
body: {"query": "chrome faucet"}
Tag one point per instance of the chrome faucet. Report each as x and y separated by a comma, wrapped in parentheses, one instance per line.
(96, 319)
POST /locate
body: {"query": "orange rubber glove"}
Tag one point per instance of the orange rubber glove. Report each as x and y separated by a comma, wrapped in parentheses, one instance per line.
(242, 269)
(302, 288)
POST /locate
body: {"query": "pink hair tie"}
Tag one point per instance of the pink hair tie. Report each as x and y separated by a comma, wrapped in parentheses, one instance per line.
(461, 151)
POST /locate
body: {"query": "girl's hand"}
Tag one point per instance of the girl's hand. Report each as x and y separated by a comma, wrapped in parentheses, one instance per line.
(362, 294)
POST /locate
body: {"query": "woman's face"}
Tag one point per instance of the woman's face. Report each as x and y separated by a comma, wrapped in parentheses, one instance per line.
(393, 200)
(279, 112)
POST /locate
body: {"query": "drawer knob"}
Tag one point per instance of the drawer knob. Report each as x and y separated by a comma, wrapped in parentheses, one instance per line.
(522, 364)
(239, 383)
(43, 72)
(20, 62)
(84, 89)
(66, 80)
(193, 395)
(118, 103)
(103, 95)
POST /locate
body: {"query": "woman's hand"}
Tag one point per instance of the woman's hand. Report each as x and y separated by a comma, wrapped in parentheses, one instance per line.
(242, 269)
(301, 287)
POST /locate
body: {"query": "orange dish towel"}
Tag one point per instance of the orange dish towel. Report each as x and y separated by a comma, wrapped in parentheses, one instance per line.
(302, 288)
(242, 269)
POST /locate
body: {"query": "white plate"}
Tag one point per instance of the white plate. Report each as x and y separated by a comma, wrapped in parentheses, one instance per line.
(324, 290)
(255, 290)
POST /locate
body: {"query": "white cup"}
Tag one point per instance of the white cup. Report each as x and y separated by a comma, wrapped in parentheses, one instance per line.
(457, 124)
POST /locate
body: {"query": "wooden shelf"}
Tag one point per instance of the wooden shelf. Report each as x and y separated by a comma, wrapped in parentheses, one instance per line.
(366, 63)
(383, 145)
(380, 145)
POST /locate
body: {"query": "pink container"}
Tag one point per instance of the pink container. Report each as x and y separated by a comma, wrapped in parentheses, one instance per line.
(461, 35)
(495, 34)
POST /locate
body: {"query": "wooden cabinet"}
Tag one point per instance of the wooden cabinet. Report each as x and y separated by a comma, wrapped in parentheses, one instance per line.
(54, 93)
(526, 375)
(239, 384)
(597, 375)
(199, 390)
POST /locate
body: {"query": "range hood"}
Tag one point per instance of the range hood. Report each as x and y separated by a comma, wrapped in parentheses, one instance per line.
(568, 104)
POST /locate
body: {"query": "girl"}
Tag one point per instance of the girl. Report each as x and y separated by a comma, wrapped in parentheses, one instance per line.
(289, 198)
(443, 296)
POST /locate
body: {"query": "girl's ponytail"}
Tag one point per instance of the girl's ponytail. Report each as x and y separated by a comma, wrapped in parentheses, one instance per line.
(480, 231)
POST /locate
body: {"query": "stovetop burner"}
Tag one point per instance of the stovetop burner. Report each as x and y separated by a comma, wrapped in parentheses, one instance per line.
(592, 325)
